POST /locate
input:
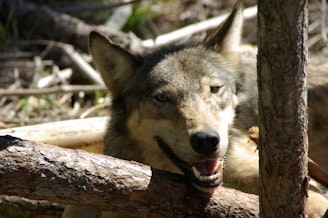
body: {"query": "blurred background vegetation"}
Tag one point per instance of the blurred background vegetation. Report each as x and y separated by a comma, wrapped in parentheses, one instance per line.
(141, 19)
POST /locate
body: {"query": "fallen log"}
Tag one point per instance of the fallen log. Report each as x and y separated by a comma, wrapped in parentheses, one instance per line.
(86, 134)
(47, 172)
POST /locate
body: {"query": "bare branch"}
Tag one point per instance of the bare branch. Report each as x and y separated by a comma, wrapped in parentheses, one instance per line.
(193, 28)
(81, 63)
(53, 90)
(23, 63)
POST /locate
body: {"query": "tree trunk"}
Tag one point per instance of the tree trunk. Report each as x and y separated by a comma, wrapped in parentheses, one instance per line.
(282, 59)
(36, 171)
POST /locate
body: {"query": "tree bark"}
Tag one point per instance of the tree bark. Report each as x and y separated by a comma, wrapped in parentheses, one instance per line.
(36, 171)
(282, 59)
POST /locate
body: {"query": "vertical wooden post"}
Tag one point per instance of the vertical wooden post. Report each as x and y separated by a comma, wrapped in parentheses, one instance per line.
(282, 60)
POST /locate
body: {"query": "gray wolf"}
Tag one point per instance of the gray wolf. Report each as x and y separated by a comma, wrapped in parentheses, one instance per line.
(174, 109)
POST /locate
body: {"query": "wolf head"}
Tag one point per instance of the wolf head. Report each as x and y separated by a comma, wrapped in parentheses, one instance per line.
(172, 109)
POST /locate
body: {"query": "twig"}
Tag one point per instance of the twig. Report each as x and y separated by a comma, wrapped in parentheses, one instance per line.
(313, 25)
(75, 57)
(38, 69)
(314, 40)
(53, 90)
(318, 173)
(21, 54)
(92, 109)
(119, 17)
(193, 28)
(29, 64)
(56, 77)
(81, 63)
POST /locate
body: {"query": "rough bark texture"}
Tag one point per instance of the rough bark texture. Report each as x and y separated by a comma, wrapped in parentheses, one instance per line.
(69, 176)
(282, 34)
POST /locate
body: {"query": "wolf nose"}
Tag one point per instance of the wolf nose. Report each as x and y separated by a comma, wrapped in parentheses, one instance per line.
(205, 142)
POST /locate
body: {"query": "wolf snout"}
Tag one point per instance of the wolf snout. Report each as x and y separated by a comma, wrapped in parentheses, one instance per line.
(205, 142)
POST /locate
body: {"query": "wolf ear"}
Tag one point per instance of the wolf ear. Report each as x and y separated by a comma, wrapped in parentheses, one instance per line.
(115, 64)
(226, 38)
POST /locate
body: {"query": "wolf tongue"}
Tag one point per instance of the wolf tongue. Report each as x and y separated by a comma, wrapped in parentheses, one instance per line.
(207, 168)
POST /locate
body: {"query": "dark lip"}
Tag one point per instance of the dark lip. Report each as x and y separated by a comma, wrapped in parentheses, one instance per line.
(185, 167)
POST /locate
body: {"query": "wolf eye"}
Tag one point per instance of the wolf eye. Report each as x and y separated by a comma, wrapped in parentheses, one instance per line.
(215, 89)
(161, 97)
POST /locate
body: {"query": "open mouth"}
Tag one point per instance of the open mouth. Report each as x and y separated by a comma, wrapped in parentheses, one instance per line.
(203, 174)
(208, 173)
